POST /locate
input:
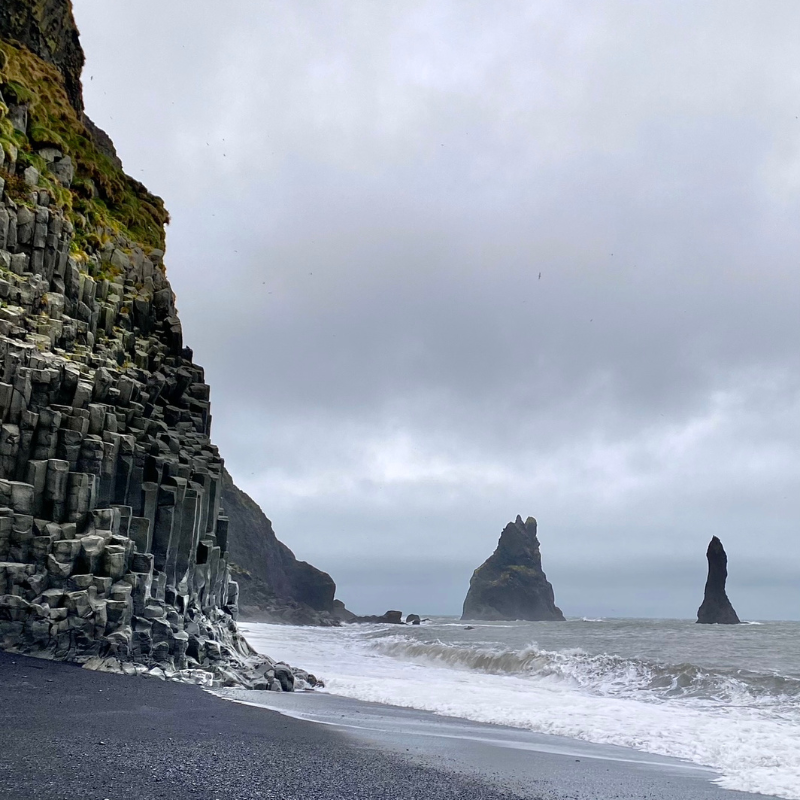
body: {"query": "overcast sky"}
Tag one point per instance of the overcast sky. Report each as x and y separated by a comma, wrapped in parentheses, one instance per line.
(450, 262)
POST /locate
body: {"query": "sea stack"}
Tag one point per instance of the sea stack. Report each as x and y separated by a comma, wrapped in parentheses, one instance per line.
(716, 607)
(511, 584)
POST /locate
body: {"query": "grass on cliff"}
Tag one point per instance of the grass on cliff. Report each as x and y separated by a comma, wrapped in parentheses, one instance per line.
(102, 195)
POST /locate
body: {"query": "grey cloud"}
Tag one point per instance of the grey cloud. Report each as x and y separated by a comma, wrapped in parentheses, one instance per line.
(362, 202)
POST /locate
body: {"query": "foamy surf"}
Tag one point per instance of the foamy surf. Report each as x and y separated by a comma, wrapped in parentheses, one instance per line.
(744, 725)
(604, 674)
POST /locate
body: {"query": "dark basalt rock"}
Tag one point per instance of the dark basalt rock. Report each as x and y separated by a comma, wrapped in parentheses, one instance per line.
(510, 584)
(390, 617)
(342, 614)
(413, 619)
(716, 607)
(273, 585)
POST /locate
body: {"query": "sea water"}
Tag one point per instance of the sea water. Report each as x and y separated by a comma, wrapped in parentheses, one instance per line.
(726, 697)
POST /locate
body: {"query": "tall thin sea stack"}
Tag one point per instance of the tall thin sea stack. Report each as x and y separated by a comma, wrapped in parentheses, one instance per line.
(716, 608)
(511, 584)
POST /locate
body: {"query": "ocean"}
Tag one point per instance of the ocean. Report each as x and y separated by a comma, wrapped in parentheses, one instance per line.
(726, 697)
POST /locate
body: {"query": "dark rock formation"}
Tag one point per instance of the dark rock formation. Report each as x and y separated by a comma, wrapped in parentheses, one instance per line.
(716, 607)
(390, 617)
(340, 613)
(413, 619)
(273, 585)
(510, 584)
(113, 537)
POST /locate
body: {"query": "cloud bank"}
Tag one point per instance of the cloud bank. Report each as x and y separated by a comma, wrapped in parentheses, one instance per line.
(449, 262)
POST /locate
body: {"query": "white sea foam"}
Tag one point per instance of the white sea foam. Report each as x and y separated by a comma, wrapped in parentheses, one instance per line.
(603, 674)
(745, 726)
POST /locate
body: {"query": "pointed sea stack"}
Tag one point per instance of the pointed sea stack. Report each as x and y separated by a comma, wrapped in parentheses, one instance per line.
(716, 607)
(510, 584)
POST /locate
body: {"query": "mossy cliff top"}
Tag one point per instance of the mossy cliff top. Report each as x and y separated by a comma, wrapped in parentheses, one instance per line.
(47, 28)
(42, 123)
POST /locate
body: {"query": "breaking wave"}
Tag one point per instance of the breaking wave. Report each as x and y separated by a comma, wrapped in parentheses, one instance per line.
(606, 675)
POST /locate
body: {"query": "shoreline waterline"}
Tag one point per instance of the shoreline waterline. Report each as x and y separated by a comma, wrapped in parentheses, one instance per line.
(522, 762)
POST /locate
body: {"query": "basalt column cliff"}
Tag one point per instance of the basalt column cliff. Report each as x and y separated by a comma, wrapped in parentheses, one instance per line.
(113, 539)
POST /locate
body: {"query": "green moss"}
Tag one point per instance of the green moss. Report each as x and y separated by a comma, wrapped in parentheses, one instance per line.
(102, 195)
(33, 160)
(518, 568)
(43, 137)
(108, 272)
(17, 189)
(17, 92)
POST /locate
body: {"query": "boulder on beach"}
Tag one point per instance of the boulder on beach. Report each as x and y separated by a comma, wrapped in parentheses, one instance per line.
(716, 607)
(511, 584)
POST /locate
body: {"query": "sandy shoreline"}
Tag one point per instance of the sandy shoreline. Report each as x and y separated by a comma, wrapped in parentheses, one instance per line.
(68, 733)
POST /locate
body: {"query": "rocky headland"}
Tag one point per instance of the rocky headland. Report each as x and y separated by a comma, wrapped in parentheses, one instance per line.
(716, 607)
(115, 538)
(511, 584)
(273, 585)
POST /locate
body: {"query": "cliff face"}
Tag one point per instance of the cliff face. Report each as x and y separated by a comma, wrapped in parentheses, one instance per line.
(716, 608)
(511, 584)
(273, 585)
(113, 539)
(47, 29)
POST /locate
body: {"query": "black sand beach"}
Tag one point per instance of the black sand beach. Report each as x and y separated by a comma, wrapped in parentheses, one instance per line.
(69, 733)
